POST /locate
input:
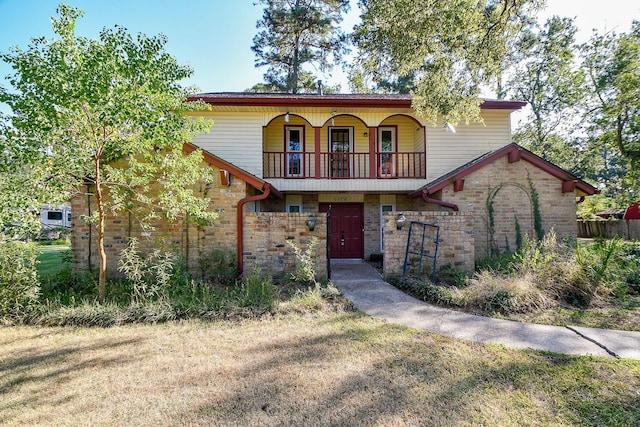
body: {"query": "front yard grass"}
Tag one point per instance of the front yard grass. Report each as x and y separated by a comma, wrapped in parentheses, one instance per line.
(52, 259)
(319, 369)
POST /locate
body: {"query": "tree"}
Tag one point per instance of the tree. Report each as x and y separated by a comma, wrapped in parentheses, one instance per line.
(612, 63)
(294, 33)
(453, 48)
(105, 114)
(613, 66)
(545, 76)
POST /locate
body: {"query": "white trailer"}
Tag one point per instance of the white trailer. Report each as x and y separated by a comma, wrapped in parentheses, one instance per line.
(55, 216)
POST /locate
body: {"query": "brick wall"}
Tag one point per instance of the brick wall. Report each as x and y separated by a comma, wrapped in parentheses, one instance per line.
(507, 185)
(179, 236)
(266, 237)
(456, 240)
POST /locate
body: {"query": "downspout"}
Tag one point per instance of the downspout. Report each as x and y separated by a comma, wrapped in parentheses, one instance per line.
(240, 223)
(426, 198)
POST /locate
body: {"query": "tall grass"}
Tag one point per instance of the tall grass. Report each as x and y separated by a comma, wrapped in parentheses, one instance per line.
(540, 275)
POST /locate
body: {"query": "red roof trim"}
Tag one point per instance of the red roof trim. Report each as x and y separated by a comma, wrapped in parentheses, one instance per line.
(343, 100)
(216, 161)
(510, 150)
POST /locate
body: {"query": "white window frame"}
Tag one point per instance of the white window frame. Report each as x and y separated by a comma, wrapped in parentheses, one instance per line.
(290, 152)
(294, 201)
(394, 150)
(382, 211)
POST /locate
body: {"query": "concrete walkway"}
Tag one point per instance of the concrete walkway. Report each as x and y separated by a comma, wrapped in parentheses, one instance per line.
(364, 286)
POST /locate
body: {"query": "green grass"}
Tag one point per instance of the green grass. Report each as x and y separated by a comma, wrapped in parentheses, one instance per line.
(318, 369)
(51, 259)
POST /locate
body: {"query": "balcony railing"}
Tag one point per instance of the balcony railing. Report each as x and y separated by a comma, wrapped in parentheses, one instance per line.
(347, 165)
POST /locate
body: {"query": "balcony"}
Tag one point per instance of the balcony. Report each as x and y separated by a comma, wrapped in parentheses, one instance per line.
(343, 165)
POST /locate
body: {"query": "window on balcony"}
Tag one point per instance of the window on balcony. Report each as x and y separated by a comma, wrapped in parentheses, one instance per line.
(294, 148)
(386, 152)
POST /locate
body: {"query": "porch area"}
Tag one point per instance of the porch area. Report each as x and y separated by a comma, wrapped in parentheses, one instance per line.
(345, 147)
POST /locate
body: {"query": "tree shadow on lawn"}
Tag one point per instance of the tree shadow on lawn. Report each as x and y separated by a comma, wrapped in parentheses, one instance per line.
(27, 375)
(370, 373)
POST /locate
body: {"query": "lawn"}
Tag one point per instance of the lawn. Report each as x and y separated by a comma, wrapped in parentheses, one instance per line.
(319, 369)
(51, 259)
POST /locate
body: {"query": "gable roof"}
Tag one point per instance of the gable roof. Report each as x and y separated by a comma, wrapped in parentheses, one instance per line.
(515, 153)
(252, 180)
(330, 100)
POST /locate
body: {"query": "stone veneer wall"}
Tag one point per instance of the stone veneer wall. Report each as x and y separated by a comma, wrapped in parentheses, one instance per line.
(266, 236)
(456, 245)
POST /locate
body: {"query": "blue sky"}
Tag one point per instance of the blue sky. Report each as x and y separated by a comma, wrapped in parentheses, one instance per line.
(214, 37)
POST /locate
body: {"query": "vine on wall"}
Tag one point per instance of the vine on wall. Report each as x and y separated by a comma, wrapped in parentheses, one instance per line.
(535, 207)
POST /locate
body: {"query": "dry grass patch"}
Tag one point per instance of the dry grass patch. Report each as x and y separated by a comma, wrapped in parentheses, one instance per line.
(325, 369)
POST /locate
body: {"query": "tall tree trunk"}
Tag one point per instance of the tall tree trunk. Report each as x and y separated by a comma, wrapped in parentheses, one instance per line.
(102, 276)
(296, 60)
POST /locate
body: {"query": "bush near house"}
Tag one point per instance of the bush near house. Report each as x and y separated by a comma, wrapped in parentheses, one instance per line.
(37, 287)
(546, 281)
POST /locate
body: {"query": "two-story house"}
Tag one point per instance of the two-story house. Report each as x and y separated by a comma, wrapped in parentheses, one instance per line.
(364, 158)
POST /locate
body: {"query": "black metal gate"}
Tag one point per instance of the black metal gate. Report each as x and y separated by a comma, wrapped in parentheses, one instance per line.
(422, 242)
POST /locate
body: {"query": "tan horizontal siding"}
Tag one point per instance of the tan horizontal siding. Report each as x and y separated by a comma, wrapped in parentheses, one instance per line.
(236, 139)
(447, 151)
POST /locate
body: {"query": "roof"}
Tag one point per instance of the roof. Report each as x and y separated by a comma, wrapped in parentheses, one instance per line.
(234, 170)
(612, 213)
(330, 100)
(515, 152)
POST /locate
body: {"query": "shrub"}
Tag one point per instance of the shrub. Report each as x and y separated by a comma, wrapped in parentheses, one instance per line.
(19, 284)
(218, 264)
(534, 255)
(452, 276)
(257, 292)
(305, 272)
(505, 293)
(151, 276)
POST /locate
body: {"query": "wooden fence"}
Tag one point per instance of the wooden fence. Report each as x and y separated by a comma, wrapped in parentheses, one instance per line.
(626, 228)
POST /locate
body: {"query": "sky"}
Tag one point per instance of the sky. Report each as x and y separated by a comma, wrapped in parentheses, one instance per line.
(214, 37)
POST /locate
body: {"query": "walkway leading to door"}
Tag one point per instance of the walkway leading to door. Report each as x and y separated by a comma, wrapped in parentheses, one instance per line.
(364, 286)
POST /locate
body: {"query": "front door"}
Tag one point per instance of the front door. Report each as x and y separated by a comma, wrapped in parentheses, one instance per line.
(347, 229)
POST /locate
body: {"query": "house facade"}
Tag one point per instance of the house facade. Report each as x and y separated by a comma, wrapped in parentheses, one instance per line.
(361, 160)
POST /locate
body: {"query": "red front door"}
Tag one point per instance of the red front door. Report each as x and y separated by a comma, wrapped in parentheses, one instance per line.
(347, 229)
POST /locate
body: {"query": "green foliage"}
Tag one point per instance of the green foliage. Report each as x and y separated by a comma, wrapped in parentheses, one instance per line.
(108, 112)
(257, 292)
(519, 240)
(545, 77)
(501, 263)
(452, 276)
(613, 111)
(535, 207)
(218, 264)
(536, 255)
(305, 271)
(451, 48)
(424, 290)
(150, 276)
(19, 284)
(292, 35)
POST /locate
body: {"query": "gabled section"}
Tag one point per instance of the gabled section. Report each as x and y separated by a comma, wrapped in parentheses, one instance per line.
(514, 153)
(227, 169)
